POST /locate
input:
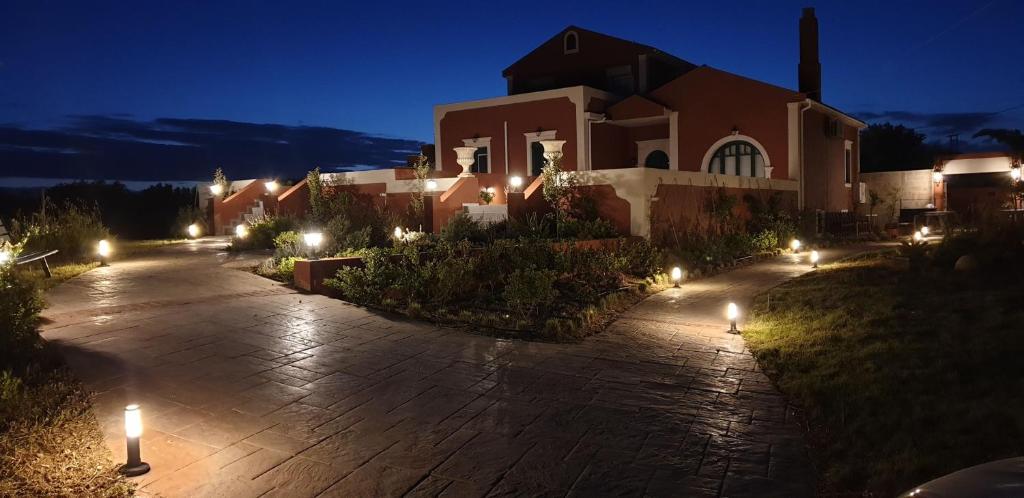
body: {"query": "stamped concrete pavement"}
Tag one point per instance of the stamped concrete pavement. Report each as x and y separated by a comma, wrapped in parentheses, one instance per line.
(248, 388)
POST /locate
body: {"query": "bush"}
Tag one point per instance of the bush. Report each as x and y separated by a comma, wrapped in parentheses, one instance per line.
(528, 291)
(263, 231)
(463, 227)
(20, 304)
(639, 258)
(286, 269)
(589, 229)
(72, 228)
(288, 245)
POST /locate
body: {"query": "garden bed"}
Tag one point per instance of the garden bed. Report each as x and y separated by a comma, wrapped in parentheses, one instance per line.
(903, 375)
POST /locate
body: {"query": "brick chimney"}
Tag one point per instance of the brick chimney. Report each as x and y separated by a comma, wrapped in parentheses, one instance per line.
(809, 69)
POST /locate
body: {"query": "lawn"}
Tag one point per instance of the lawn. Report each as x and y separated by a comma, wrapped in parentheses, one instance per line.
(903, 376)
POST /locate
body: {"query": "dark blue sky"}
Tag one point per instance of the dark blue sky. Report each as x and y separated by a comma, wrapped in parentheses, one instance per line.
(379, 67)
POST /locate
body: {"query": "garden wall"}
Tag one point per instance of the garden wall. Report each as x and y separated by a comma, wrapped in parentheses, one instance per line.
(684, 208)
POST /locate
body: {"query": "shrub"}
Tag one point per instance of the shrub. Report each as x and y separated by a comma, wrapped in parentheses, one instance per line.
(288, 245)
(639, 258)
(20, 304)
(73, 228)
(188, 215)
(589, 229)
(527, 291)
(286, 269)
(263, 231)
(367, 285)
(463, 227)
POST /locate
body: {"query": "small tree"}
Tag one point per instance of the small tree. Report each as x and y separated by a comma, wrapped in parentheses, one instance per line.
(220, 179)
(421, 169)
(559, 190)
(318, 202)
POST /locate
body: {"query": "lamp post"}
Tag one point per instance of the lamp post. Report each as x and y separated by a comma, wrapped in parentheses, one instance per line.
(515, 183)
(431, 185)
(272, 187)
(216, 189)
(313, 241)
(732, 312)
(133, 431)
(937, 179)
(103, 251)
(677, 275)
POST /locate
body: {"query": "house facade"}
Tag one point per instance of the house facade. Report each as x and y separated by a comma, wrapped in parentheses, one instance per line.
(649, 135)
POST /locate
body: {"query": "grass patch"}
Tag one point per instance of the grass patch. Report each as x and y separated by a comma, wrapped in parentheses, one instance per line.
(50, 443)
(903, 376)
(60, 272)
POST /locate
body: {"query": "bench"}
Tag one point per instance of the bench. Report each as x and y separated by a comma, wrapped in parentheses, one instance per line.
(37, 256)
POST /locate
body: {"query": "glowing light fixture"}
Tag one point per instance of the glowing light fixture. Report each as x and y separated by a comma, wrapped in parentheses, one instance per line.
(814, 259)
(272, 186)
(937, 176)
(515, 182)
(398, 233)
(313, 239)
(103, 250)
(732, 312)
(193, 230)
(925, 230)
(795, 245)
(431, 185)
(241, 231)
(1015, 173)
(216, 189)
(677, 275)
(5, 256)
(918, 237)
(133, 431)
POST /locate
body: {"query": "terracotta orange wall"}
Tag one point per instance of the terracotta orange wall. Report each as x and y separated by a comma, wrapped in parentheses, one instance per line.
(587, 67)
(633, 135)
(549, 114)
(683, 208)
(295, 200)
(711, 102)
(610, 206)
(824, 165)
(610, 147)
(466, 190)
(231, 207)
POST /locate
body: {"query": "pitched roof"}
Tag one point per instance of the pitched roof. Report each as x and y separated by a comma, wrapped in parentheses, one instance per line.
(639, 47)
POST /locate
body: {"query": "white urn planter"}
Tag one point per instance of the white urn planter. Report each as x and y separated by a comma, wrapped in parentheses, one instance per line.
(465, 159)
(552, 149)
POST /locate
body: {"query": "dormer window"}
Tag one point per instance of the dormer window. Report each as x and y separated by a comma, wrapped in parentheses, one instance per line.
(571, 43)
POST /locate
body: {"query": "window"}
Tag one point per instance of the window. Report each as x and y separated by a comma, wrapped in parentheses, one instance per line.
(536, 158)
(656, 159)
(571, 43)
(848, 164)
(482, 156)
(738, 158)
(480, 163)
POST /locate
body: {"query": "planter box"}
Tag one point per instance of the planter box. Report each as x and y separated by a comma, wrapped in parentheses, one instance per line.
(310, 274)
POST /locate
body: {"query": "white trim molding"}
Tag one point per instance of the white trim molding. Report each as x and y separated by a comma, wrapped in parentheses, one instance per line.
(733, 138)
(645, 147)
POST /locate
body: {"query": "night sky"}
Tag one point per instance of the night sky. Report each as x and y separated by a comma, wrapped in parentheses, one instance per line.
(168, 90)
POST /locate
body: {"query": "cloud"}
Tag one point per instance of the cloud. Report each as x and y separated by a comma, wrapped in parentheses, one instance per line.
(938, 124)
(121, 147)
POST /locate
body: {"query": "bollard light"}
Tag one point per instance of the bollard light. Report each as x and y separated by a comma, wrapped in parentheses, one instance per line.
(133, 432)
(398, 233)
(814, 259)
(918, 237)
(925, 230)
(103, 250)
(795, 245)
(241, 231)
(193, 230)
(431, 185)
(732, 312)
(5, 256)
(515, 182)
(677, 275)
(313, 241)
(216, 189)
(272, 186)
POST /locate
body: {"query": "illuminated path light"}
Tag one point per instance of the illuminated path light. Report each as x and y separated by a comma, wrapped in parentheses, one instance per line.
(431, 185)
(732, 312)
(193, 231)
(313, 241)
(516, 182)
(241, 231)
(677, 275)
(216, 189)
(795, 245)
(814, 259)
(103, 251)
(133, 432)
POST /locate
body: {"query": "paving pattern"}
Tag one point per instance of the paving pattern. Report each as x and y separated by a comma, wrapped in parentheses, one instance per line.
(250, 389)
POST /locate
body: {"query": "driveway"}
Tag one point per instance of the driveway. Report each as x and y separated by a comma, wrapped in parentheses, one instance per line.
(249, 388)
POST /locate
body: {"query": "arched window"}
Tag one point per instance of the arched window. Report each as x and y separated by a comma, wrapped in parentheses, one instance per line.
(571, 43)
(739, 157)
(656, 159)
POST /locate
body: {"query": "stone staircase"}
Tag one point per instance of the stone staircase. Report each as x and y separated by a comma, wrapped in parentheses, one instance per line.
(253, 212)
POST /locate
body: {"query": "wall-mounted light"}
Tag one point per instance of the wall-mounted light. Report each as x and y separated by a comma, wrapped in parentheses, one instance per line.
(732, 312)
(133, 432)
(814, 259)
(193, 230)
(103, 251)
(216, 189)
(241, 231)
(490, 190)
(272, 186)
(937, 176)
(677, 275)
